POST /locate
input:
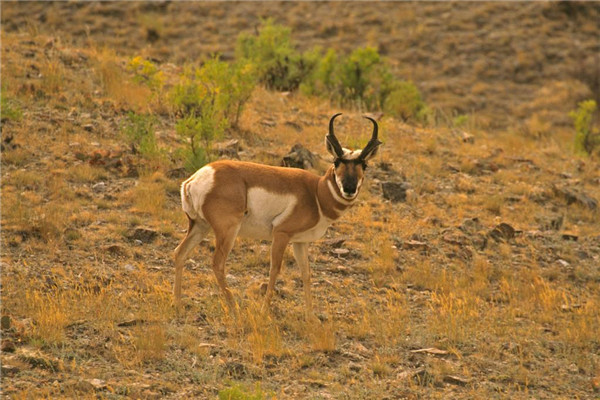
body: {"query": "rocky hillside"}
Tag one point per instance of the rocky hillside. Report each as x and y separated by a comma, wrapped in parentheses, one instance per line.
(468, 269)
(508, 66)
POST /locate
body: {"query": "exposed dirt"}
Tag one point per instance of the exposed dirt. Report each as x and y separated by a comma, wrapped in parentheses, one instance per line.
(469, 269)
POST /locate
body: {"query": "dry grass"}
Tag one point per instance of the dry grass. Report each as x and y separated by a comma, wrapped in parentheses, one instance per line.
(514, 318)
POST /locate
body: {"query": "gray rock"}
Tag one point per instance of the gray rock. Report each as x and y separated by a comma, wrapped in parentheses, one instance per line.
(395, 191)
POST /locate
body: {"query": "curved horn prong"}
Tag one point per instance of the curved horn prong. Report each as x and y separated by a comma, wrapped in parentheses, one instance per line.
(373, 143)
(332, 140)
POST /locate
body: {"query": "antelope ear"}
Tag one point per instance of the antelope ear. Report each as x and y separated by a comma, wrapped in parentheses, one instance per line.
(369, 153)
(330, 147)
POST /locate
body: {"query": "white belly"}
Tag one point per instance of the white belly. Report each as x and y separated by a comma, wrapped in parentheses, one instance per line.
(265, 211)
(314, 233)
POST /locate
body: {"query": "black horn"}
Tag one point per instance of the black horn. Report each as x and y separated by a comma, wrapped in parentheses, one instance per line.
(373, 143)
(332, 140)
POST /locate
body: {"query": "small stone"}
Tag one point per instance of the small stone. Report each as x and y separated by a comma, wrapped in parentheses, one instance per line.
(335, 243)
(431, 350)
(456, 380)
(354, 367)
(299, 157)
(177, 173)
(502, 232)
(415, 245)
(395, 191)
(5, 322)
(574, 196)
(99, 187)
(8, 346)
(115, 249)
(563, 263)
(98, 384)
(467, 137)
(129, 267)
(229, 148)
(268, 122)
(569, 236)
(145, 235)
(131, 322)
(340, 252)
(88, 127)
(8, 369)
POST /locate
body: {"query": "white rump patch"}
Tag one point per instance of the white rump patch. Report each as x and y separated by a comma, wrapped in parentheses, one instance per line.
(195, 189)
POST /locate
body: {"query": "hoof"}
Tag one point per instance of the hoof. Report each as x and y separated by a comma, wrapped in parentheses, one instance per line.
(263, 288)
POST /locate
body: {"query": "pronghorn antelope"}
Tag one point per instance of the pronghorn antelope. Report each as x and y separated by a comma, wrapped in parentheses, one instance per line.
(285, 205)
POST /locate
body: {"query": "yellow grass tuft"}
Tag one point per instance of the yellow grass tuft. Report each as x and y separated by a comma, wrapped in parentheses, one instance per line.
(264, 335)
(321, 334)
(50, 318)
(149, 197)
(85, 173)
(117, 86)
(53, 76)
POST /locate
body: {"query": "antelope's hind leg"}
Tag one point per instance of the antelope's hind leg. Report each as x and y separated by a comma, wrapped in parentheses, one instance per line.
(280, 242)
(225, 238)
(197, 230)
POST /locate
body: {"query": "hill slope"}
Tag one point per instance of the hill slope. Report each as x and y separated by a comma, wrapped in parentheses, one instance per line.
(509, 66)
(482, 282)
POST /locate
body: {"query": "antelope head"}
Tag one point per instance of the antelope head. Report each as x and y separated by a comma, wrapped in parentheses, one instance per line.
(349, 166)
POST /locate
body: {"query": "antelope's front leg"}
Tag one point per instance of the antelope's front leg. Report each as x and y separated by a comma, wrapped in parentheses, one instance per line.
(280, 241)
(301, 256)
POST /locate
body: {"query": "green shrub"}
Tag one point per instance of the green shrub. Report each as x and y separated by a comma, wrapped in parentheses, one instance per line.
(188, 96)
(9, 109)
(199, 132)
(138, 129)
(232, 85)
(238, 392)
(208, 100)
(146, 73)
(363, 79)
(322, 81)
(586, 138)
(405, 101)
(279, 65)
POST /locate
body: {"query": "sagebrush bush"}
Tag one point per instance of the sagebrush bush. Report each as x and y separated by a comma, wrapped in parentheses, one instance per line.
(364, 80)
(138, 129)
(146, 73)
(587, 139)
(279, 65)
(232, 84)
(239, 392)
(199, 132)
(208, 100)
(405, 101)
(9, 109)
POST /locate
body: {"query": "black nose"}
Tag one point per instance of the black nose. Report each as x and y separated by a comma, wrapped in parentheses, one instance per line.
(349, 186)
